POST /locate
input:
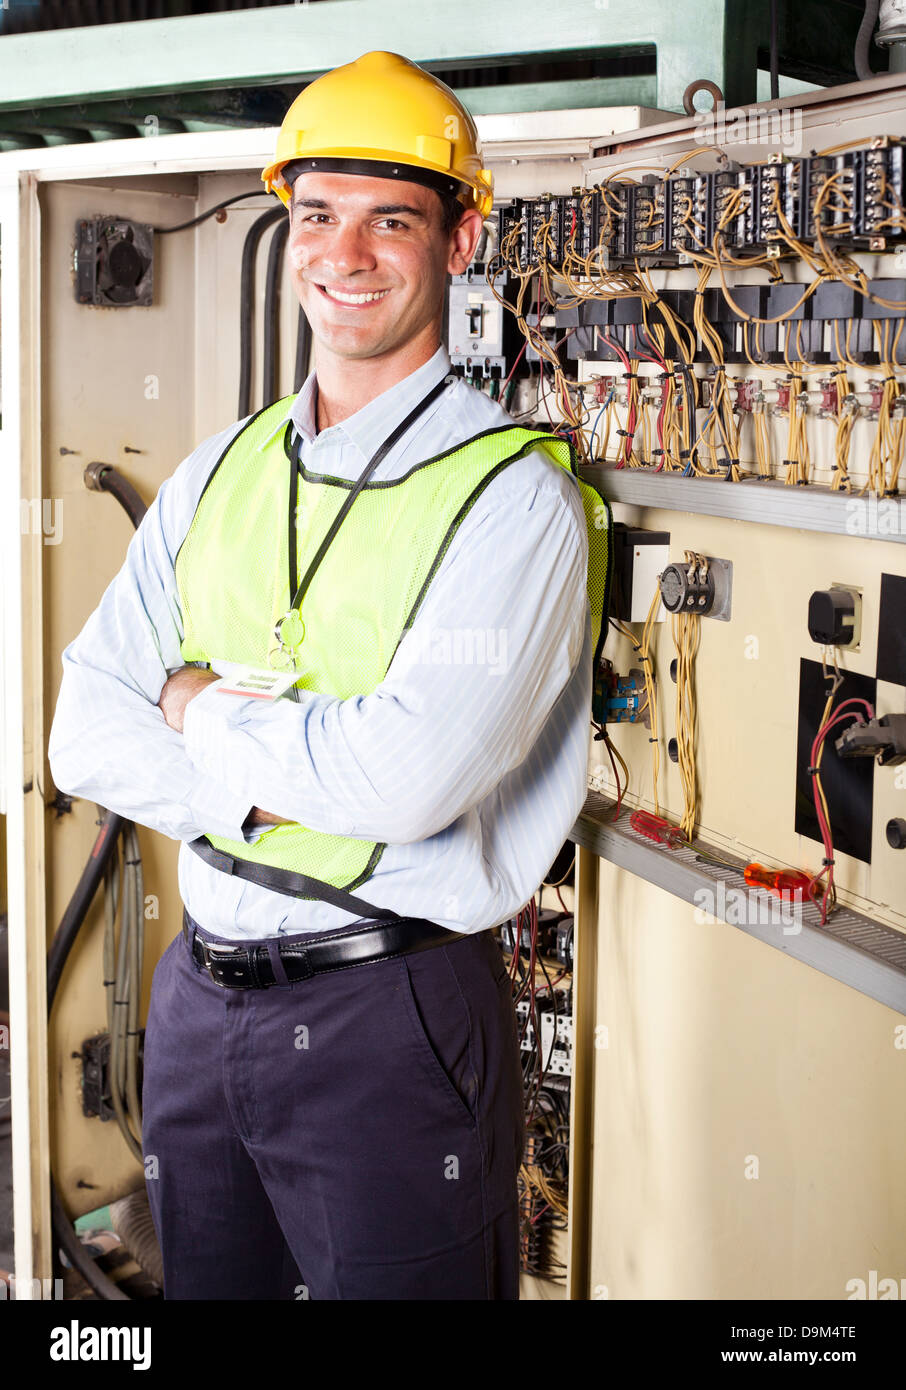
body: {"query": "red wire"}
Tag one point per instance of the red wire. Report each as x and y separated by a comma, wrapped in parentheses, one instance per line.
(514, 366)
(656, 361)
(839, 715)
(627, 440)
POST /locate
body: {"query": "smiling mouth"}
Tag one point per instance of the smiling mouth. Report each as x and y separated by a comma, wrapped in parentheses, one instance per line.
(354, 300)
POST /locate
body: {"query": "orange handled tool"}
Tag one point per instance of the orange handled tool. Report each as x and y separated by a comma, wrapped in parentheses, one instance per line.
(790, 882)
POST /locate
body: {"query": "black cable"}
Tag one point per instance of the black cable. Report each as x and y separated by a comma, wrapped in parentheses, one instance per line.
(105, 846)
(247, 303)
(303, 350)
(78, 1256)
(79, 903)
(258, 193)
(111, 480)
(103, 851)
(272, 311)
(775, 68)
(863, 40)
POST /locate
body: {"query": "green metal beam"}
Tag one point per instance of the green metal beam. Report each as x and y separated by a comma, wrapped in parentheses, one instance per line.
(112, 120)
(560, 96)
(128, 117)
(297, 42)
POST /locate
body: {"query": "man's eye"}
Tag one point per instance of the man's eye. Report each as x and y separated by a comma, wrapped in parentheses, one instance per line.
(393, 222)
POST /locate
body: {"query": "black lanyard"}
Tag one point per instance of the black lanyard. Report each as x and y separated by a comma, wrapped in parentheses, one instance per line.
(341, 514)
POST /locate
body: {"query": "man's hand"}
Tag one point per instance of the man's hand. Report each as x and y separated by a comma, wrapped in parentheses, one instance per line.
(179, 689)
(258, 817)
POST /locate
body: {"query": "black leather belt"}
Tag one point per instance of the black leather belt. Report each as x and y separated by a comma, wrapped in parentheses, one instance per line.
(250, 967)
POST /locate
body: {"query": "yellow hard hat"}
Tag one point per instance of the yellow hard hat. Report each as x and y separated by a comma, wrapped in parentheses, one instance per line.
(384, 116)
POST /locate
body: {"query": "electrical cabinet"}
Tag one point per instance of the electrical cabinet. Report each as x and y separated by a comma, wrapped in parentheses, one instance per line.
(737, 1117)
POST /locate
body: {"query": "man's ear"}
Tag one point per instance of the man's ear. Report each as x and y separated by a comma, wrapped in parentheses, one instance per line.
(464, 239)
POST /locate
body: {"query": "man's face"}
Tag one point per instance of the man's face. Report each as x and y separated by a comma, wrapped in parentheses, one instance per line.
(369, 260)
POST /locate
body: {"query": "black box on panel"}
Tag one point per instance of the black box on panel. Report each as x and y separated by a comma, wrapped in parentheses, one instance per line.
(892, 630)
(885, 289)
(625, 540)
(627, 310)
(836, 301)
(751, 300)
(784, 299)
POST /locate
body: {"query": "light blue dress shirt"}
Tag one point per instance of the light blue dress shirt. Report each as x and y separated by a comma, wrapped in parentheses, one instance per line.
(468, 760)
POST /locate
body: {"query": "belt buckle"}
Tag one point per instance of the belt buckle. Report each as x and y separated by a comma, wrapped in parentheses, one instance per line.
(214, 955)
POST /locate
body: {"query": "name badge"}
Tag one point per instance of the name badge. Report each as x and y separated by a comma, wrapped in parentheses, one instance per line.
(256, 682)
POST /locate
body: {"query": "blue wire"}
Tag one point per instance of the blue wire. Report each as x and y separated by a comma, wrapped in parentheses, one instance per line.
(688, 469)
(591, 442)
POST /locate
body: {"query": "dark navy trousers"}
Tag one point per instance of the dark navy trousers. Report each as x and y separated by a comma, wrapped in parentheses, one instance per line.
(356, 1135)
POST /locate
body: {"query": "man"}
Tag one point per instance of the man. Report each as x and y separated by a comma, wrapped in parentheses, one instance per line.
(332, 1087)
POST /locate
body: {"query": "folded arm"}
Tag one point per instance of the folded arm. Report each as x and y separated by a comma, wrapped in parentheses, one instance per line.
(466, 696)
(110, 741)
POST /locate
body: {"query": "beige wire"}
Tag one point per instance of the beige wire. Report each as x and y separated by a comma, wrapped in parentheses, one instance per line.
(686, 628)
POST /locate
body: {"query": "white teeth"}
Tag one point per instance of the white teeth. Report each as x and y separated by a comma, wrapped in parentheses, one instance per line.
(354, 298)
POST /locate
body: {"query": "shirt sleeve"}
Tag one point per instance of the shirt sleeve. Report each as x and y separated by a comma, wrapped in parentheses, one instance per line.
(109, 741)
(465, 698)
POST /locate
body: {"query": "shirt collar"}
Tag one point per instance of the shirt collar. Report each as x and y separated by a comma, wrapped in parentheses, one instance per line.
(369, 427)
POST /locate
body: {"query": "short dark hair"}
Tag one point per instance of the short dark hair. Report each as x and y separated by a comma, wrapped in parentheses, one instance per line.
(451, 211)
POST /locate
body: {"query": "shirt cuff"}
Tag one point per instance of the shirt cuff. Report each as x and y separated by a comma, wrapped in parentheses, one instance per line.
(219, 810)
(203, 730)
(207, 718)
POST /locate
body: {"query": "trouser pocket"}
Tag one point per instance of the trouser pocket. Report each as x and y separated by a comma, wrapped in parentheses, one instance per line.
(441, 1028)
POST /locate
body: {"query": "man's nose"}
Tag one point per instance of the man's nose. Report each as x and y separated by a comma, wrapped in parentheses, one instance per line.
(345, 250)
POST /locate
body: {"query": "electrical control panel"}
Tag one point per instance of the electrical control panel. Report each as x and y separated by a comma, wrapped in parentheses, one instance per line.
(847, 199)
(717, 327)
